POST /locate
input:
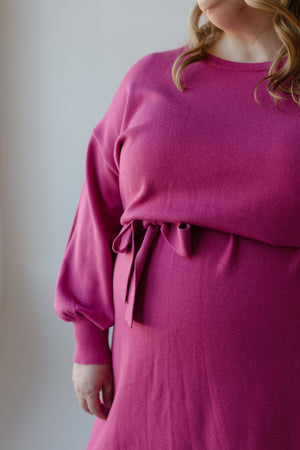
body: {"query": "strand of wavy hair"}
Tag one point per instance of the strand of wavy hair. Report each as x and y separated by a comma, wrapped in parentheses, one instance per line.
(284, 73)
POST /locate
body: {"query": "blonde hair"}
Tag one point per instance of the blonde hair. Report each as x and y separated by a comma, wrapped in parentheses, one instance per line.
(286, 21)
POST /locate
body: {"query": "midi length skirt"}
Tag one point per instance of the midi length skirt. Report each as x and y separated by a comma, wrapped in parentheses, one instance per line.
(212, 360)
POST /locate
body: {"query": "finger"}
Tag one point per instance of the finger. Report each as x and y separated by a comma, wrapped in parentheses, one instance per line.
(108, 393)
(84, 405)
(95, 406)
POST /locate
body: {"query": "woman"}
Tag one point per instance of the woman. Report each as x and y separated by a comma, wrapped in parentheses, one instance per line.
(187, 240)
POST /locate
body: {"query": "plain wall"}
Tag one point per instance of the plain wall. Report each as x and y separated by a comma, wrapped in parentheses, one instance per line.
(61, 62)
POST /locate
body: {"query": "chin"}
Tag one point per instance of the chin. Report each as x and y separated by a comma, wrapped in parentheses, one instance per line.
(206, 5)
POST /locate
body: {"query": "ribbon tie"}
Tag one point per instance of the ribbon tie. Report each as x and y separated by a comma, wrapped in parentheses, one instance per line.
(135, 239)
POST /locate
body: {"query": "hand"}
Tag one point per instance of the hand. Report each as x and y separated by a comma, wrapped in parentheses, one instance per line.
(88, 380)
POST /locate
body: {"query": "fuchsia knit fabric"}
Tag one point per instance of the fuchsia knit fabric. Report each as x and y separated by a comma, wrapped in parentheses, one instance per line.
(187, 240)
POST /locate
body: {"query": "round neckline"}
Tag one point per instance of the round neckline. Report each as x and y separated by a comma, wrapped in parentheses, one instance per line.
(236, 65)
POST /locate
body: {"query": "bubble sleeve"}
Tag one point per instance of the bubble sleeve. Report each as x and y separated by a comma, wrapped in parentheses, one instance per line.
(84, 285)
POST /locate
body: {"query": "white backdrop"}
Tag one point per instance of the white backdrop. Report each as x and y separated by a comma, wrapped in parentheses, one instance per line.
(61, 62)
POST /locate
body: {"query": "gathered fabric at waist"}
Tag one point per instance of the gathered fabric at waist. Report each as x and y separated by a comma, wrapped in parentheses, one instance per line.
(135, 239)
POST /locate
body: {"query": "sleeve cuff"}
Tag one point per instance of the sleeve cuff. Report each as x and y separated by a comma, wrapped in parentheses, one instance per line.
(91, 343)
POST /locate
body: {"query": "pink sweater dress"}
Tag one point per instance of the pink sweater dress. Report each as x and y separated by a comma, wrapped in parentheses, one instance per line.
(187, 240)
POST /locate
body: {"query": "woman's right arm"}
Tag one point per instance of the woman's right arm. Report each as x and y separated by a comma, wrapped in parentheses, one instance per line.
(84, 285)
(84, 293)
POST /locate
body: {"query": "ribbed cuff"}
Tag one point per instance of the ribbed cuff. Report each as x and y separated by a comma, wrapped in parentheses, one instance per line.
(91, 343)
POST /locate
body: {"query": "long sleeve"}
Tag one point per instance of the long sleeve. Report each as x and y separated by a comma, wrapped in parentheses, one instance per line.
(84, 285)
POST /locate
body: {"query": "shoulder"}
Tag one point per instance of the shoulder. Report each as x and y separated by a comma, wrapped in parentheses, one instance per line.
(152, 66)
(152, 72)
(156, 59)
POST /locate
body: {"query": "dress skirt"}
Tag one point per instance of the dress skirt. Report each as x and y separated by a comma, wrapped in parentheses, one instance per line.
(212, 360)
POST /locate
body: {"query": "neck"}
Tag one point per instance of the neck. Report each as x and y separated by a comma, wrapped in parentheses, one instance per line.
(251, 40)
(229, 48)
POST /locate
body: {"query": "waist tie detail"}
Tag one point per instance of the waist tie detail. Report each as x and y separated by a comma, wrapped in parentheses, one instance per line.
(135, 239)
